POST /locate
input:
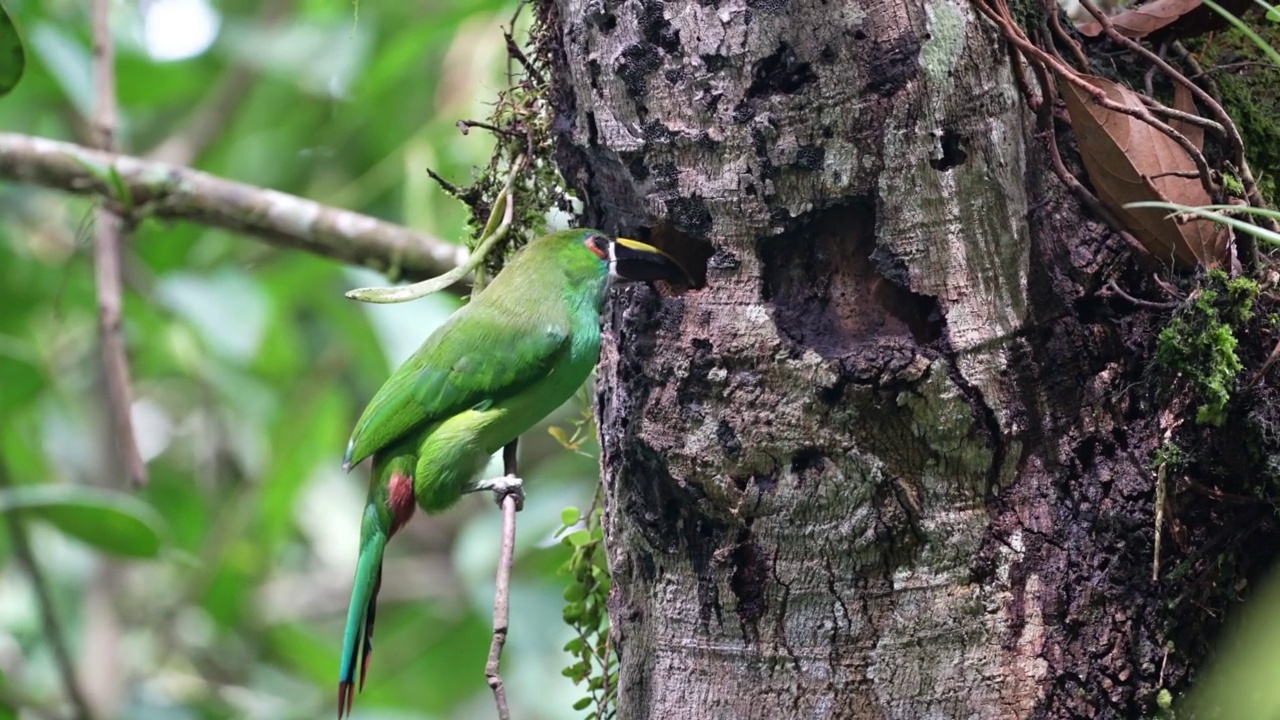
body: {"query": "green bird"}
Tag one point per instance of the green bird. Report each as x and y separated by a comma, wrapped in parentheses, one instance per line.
(499, 365)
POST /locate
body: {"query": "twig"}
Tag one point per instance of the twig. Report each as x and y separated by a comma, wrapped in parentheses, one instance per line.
(494, 232)
(1162, 490)
(1113, 289)
(448, 187)
(1055, 25)
(514, 51)
(1214, 107)
(170, 192)
(1044, 120)
(464, 127)
(111, 232)
(502, 588)
(1169, 112)
(44, 599)
(1230, 67)
(1096, 95)
(1199, 73)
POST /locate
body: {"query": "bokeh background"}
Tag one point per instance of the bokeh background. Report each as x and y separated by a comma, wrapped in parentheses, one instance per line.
(250, 368)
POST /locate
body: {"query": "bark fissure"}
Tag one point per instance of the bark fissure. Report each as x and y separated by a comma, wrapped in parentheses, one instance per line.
(850, 478)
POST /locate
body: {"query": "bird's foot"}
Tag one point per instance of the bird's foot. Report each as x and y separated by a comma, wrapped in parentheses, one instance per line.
(501, 487)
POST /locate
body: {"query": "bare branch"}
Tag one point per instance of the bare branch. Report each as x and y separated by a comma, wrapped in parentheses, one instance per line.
(170, 192)
(53, 630)
(111, 231)
(502, 588)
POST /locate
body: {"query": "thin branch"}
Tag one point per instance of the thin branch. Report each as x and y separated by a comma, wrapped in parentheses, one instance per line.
(1044, 120)
(464, 127)
(169, 192)
(111, 231)
(1214, 107)
(1162, 493)
(1155, 107)
(1055, 25)
(502, 588)
(53, 630)
(1112, 289)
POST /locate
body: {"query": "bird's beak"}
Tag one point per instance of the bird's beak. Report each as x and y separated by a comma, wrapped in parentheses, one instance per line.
(631, 260)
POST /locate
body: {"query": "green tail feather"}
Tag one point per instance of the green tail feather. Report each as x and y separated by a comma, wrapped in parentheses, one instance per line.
(390, 504)
(360, 614)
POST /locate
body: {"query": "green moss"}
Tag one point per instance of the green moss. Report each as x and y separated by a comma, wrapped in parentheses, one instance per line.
(1250, 89)
(1199, 344)
(1170, 455)
(1164, 704)
(1233, 185)
(521, 121)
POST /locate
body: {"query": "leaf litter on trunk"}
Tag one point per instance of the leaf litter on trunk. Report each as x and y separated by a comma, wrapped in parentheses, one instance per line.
(1168, 18)
(1128, 161)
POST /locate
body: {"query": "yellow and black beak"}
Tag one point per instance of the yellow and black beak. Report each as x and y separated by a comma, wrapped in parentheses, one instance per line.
(632, 260)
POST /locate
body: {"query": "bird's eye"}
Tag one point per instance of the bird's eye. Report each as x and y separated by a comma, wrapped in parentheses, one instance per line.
(599, 245)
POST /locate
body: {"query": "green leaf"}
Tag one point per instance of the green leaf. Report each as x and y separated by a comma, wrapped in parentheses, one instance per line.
(120, 189)
(1273, 12)
(578, 538)
(112, 522)
(582, 704)
(12, 58)
(572, 612)
(1207, 212)
(1246, 30)
(574, 593)
(67, 59)
(569, 516)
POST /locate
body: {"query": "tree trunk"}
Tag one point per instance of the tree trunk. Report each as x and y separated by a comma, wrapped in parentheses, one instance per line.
(882, 466)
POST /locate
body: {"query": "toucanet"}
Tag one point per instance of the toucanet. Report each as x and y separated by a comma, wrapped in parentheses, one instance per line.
(493, 370)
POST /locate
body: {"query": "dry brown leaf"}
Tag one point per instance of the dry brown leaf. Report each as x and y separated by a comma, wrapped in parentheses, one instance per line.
(1143, 20)
(1180, 18)
(1183, 102)
(1129, 161)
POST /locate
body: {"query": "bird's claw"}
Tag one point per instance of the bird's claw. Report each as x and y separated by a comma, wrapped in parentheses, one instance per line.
(506, 485)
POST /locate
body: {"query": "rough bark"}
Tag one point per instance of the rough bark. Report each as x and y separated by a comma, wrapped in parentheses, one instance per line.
(884, 465)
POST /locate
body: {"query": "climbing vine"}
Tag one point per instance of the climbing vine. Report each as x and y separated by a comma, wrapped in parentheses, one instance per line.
(593, 660)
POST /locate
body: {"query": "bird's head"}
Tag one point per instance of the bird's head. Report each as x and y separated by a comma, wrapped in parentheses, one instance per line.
(591, 260)
(628, 260)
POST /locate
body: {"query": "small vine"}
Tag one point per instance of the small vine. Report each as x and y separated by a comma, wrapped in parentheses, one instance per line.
(594, 662)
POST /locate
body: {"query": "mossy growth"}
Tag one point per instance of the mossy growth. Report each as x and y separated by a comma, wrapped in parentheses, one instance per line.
(521, 122)
(1199, 344)
(1250, 86)
(1171, 456)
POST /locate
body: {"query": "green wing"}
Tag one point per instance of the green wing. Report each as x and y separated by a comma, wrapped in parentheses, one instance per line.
(479, 356)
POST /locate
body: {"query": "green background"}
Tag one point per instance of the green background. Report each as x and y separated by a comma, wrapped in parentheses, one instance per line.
(249, 370)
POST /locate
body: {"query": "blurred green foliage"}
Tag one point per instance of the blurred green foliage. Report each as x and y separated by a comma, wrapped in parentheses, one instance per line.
(13, 59)
(249, 369)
